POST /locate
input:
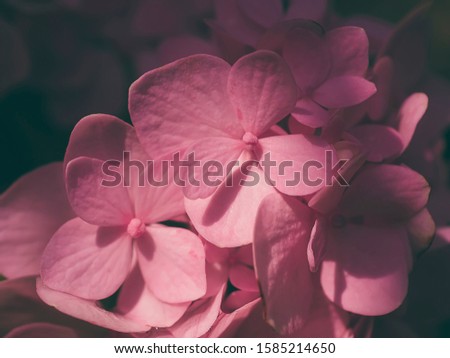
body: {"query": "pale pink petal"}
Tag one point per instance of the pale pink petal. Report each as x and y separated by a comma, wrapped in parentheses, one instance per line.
(226, 219)
(283, 227)
(87, 261)
(100, 136)
(349, 51)
(307, 9)
(214, 157)
(380, 142)
(138, 303)
(264, 13)
(94, 194)
(344, 91)
(262, 90)
(308, 57)
(409, 115)
(216, 277)
(172, 262)
(87, 310)
(388, 192)
(31, 210)
(310, 114)
(300, 162)
(243, 278)
(365, 270)
(176, 105)
(199, 318)
(42, 330)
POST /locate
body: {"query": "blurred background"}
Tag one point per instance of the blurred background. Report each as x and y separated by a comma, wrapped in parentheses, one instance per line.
(63, 59)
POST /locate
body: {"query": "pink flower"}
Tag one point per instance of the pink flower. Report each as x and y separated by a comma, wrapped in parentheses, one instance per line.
(329, 69)
(91, 256)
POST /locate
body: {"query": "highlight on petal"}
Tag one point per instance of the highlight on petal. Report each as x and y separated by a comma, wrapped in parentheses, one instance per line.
(172, 262)
(282, 230)
(31, 210)
(87, 261)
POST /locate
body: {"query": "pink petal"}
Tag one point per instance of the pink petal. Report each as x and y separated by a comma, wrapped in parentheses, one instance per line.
(310, 114)
(93, 195)
(349, 51)
(264, 13)
(344, 91)
(299, 162)
(226, 219)
(421, 231)
(388, 192)
(100, 136)
(317, 244)
(262, 90)
(87, 310)
(176, 105)
(138, 303)
(237, 299)
(227, 324)
(87, 261)
(31, 210)
(409, 115)
(308, 57)
(214, 157)
(42, 330)
(243, 278)
(199, 318)
(172, 262)
(281, 237)
(365, 270)
(380, 142)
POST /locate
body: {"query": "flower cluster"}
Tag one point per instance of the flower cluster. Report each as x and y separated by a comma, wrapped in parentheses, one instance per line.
(295, 195)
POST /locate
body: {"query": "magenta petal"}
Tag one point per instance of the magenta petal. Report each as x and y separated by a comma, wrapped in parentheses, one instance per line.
(409, 115)
(87, 261)
(299, 162)
(372, 135)
(87, 310)
(176, 105)
(310, 114)
(283, 227)
(389, 192)
(365, 270)
(308, 57)
(344, 91)
(227, 218)
(138, 303)
(31, 210)
(42, 330)
(349, 51)
(93, 195)
(262, 90)
(199, 318)
(172, 262)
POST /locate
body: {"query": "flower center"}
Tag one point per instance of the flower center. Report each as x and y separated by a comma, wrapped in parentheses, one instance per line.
(249, 138)
(136, 228)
